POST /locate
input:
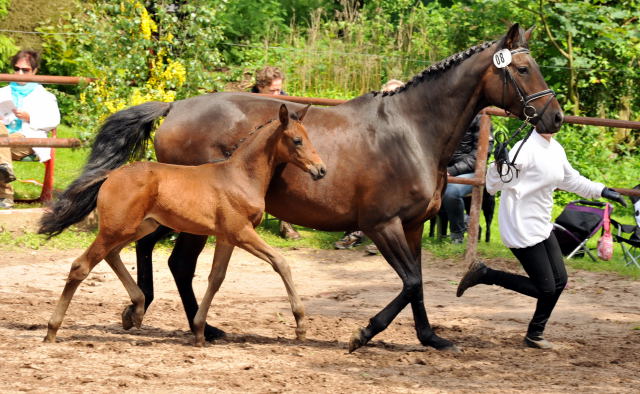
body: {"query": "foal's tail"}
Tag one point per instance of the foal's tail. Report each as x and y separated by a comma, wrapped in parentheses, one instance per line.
(122, 137)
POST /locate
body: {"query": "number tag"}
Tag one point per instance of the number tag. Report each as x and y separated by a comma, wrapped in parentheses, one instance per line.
(502, 58)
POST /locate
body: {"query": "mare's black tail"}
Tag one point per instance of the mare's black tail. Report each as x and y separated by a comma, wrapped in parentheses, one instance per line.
(122, 137)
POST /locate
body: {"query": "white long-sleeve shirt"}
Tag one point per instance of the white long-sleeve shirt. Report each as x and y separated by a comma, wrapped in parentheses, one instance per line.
(44, 115)
(526, 202)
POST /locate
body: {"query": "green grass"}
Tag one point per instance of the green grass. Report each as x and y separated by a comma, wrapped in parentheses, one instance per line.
(69, 163)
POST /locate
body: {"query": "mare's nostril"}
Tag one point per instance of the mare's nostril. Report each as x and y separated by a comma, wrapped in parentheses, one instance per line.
(559, 118)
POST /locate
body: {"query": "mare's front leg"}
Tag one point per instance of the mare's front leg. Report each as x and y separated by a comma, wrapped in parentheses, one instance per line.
(250, 241)
(392, 243)
(144, 263)
(216, 277)
(425, 333)
(182, 263)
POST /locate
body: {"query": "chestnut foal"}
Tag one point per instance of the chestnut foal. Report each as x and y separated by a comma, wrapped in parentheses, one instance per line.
(224, 199)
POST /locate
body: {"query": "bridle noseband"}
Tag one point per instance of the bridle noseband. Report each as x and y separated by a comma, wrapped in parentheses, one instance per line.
(504, 166)
(524, 98)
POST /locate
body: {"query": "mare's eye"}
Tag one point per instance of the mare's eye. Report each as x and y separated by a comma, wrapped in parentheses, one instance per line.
(297, 141)
(523, 70)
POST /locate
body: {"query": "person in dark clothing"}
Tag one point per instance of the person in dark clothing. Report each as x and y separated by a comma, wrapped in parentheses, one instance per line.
(463, 165)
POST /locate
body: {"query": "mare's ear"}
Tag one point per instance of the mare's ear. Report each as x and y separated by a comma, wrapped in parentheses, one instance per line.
(512, 39)
(303, 112)
(527, 35)
(284, 115)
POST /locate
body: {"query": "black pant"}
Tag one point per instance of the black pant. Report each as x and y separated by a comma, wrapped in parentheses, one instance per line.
(547, 278)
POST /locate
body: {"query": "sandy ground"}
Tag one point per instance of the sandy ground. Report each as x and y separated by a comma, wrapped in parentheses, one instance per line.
(596, 328)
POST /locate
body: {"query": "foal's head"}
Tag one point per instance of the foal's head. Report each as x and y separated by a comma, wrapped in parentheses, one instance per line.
(514, 82)
(294, 145)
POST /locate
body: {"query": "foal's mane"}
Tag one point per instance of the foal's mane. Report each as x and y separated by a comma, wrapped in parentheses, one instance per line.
(437, 69)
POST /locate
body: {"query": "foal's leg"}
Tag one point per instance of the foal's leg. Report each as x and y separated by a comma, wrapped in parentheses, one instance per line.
(390, 240)
(80, 269)
(250, 241)
(134, 317)
(218, 271)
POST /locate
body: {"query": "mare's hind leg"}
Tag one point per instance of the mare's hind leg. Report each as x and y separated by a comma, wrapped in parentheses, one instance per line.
(250, 241)
(182, 263)
(144, 262)
(392, 243)
(80, 269)
(216, 277)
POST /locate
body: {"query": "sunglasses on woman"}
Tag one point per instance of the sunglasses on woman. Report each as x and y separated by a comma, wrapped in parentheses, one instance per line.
(23, 69)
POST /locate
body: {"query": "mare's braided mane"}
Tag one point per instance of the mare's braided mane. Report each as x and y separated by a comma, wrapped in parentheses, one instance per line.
(438, 68)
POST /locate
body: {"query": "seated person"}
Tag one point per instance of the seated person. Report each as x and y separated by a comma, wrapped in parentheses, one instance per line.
(269, 81)
(463, 165)
(355, 238)
(35, 113)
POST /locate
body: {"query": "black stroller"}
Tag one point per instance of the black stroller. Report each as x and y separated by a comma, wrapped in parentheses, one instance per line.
(579, 221)
(631, 245)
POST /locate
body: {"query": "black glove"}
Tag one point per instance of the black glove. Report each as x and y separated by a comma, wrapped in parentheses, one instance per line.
(613, 195)
(501, 153)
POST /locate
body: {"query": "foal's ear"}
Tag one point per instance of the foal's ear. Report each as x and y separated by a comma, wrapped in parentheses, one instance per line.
(303, 112)
(284, 115)
(513, 38)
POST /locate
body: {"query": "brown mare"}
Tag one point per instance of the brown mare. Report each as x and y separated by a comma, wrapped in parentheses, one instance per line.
(386, 155)
(224, 199)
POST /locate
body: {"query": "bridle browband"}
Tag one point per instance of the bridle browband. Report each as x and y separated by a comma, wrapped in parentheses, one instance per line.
(505, 167)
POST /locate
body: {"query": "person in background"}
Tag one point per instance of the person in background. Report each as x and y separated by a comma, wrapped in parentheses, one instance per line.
(355, 238)
(269, 80)
(463, 165)
(525, 224)
(36, 112)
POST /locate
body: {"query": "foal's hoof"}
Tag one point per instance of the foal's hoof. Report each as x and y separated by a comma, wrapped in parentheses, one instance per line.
(49, 338)
(357, 340)
(212, 333)
(301, 334)
(130, 318)
(198, 342)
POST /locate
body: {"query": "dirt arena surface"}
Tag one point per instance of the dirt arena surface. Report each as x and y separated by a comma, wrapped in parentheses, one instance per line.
(596, 328)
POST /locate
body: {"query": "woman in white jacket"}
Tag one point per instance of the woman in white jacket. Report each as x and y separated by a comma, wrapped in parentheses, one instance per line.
(526, 228)
(35, 113)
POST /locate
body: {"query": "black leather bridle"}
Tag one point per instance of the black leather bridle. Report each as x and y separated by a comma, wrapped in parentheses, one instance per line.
(504, 166)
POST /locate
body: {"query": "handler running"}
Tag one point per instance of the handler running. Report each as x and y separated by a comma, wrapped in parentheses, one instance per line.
(525, 225)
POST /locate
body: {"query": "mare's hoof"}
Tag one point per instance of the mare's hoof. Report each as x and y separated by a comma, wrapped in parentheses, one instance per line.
(357, 340)
(538, 343)
(198, 342)
(212, 333)
(441, 344)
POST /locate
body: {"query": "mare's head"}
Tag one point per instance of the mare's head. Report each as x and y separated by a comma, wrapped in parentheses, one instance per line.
(294, 145)
(514, 83)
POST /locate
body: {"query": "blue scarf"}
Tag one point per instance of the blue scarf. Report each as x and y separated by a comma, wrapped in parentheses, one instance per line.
(18, 93)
